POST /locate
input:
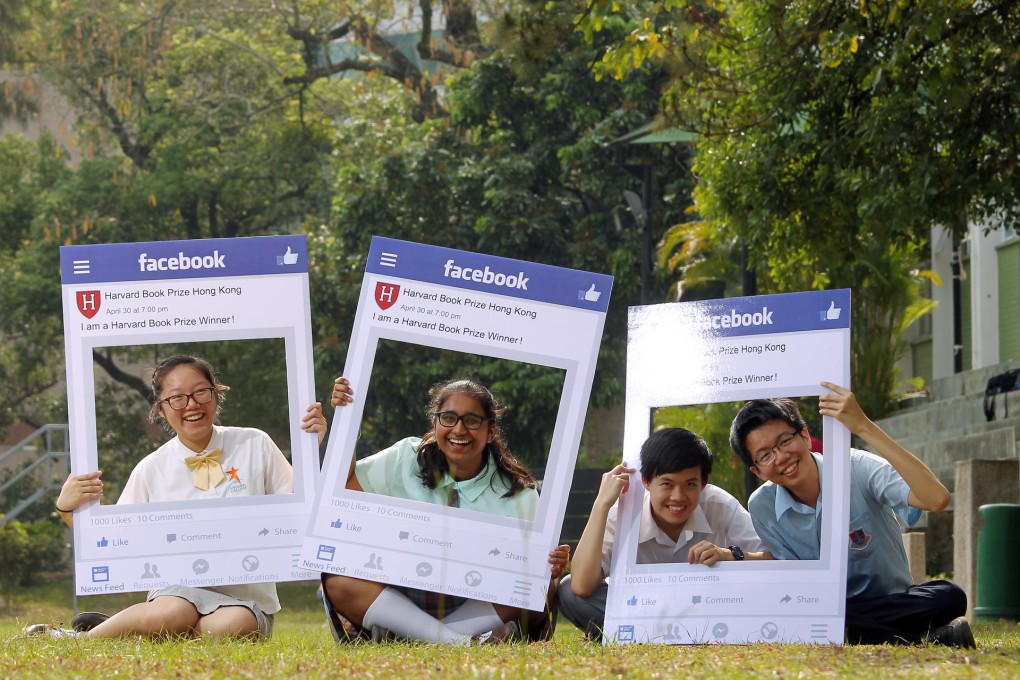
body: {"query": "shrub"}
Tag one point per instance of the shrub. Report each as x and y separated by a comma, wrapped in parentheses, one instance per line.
(26, 550)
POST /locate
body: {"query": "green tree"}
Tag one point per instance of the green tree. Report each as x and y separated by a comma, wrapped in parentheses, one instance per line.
(17, 43)
(522, 168)
(187, 130)
(400, 41)
(712, 423)
(206, 120)
(837, 132)
(31, 355)
(705, 261)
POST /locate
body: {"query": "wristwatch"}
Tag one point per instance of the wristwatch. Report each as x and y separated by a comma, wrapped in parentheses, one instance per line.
(738, 554)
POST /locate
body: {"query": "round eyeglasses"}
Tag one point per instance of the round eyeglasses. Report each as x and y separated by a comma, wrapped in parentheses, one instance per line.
(784, 443)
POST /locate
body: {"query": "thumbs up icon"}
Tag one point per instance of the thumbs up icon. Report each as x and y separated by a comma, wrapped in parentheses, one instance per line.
(832, 313)
(590, 295)
(290, 257)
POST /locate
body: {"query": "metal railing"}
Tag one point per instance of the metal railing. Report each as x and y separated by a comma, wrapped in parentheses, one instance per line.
(52, 446)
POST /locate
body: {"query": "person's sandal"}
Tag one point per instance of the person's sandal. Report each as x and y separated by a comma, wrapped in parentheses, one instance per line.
(41, 629)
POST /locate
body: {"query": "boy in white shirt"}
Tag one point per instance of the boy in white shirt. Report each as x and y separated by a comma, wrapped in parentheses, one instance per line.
(683, 519)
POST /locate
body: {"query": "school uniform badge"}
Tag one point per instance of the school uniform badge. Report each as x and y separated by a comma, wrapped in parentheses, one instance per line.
(859, 540)
(236, 485)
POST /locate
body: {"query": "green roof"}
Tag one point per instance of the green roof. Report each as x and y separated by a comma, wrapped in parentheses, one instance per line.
(647, 134)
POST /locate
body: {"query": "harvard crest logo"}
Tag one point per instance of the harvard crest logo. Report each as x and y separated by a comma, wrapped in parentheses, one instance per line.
(88, 302)
(386, 294)
(859, 540)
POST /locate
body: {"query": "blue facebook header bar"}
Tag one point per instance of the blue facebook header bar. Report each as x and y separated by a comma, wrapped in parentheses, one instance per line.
(194, 259)
(762, 314)
(489, 273)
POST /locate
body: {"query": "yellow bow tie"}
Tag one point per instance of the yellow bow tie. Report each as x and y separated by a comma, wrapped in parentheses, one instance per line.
(205, 468)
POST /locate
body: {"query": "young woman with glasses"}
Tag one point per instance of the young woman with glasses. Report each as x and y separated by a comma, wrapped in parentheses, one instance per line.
(461, 461)
(203, 460)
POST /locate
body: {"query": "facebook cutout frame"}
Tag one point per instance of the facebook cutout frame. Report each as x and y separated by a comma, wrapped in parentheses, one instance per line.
(132, 294)
(731, 350)
(472, 303)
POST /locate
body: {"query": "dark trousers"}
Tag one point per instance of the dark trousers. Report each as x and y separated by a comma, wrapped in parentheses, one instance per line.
(587, 613)
(904, 618)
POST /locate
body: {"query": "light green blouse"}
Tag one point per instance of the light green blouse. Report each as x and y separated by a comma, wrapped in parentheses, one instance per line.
(394, 472)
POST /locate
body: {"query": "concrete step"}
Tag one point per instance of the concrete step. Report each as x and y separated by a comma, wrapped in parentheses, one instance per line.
(967, 382)
(998, 424)
(950, 417)
(963, 384)
(919, 444)
(942, 455)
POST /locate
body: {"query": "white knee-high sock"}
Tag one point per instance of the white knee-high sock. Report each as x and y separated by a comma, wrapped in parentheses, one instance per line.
(394, 611)
(474, 617)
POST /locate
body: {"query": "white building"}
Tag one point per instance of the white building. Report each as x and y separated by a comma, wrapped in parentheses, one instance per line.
(976, 323)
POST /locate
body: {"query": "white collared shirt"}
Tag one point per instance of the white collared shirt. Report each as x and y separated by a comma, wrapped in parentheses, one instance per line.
(719, 519)
(253, 465)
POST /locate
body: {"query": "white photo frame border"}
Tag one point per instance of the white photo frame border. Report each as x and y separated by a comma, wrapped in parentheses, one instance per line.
(543, 518)
(224, 279)
(298, 462)
(487, 292)
(682, 329)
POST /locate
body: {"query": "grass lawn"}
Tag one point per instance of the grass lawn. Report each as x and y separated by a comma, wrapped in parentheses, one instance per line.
(302, 647)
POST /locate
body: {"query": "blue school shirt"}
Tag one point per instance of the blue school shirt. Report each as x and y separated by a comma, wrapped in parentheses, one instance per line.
(877, 562)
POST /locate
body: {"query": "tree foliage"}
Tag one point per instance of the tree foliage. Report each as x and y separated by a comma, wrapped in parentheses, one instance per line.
(31, 355)
(24, 546)
(522, 168)
(413, 43)
(833, 135)
(187, 130)
(14, 20)
(825, 124)
(202, 120)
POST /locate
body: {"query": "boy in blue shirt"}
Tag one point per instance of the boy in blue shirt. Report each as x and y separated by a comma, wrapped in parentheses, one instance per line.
(883, 605)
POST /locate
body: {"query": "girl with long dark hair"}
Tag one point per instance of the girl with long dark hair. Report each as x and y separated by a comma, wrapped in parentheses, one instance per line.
(461, 461)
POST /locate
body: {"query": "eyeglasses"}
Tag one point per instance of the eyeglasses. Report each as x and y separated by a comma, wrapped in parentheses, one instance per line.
(784, 443)
(472, 421)
(179, 402)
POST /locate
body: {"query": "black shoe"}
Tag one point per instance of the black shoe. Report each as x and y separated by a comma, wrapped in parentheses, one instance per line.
(956, 633)
(593, 633)
(380, 634)
(37, 629)
(84, 621)
(342, 629)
